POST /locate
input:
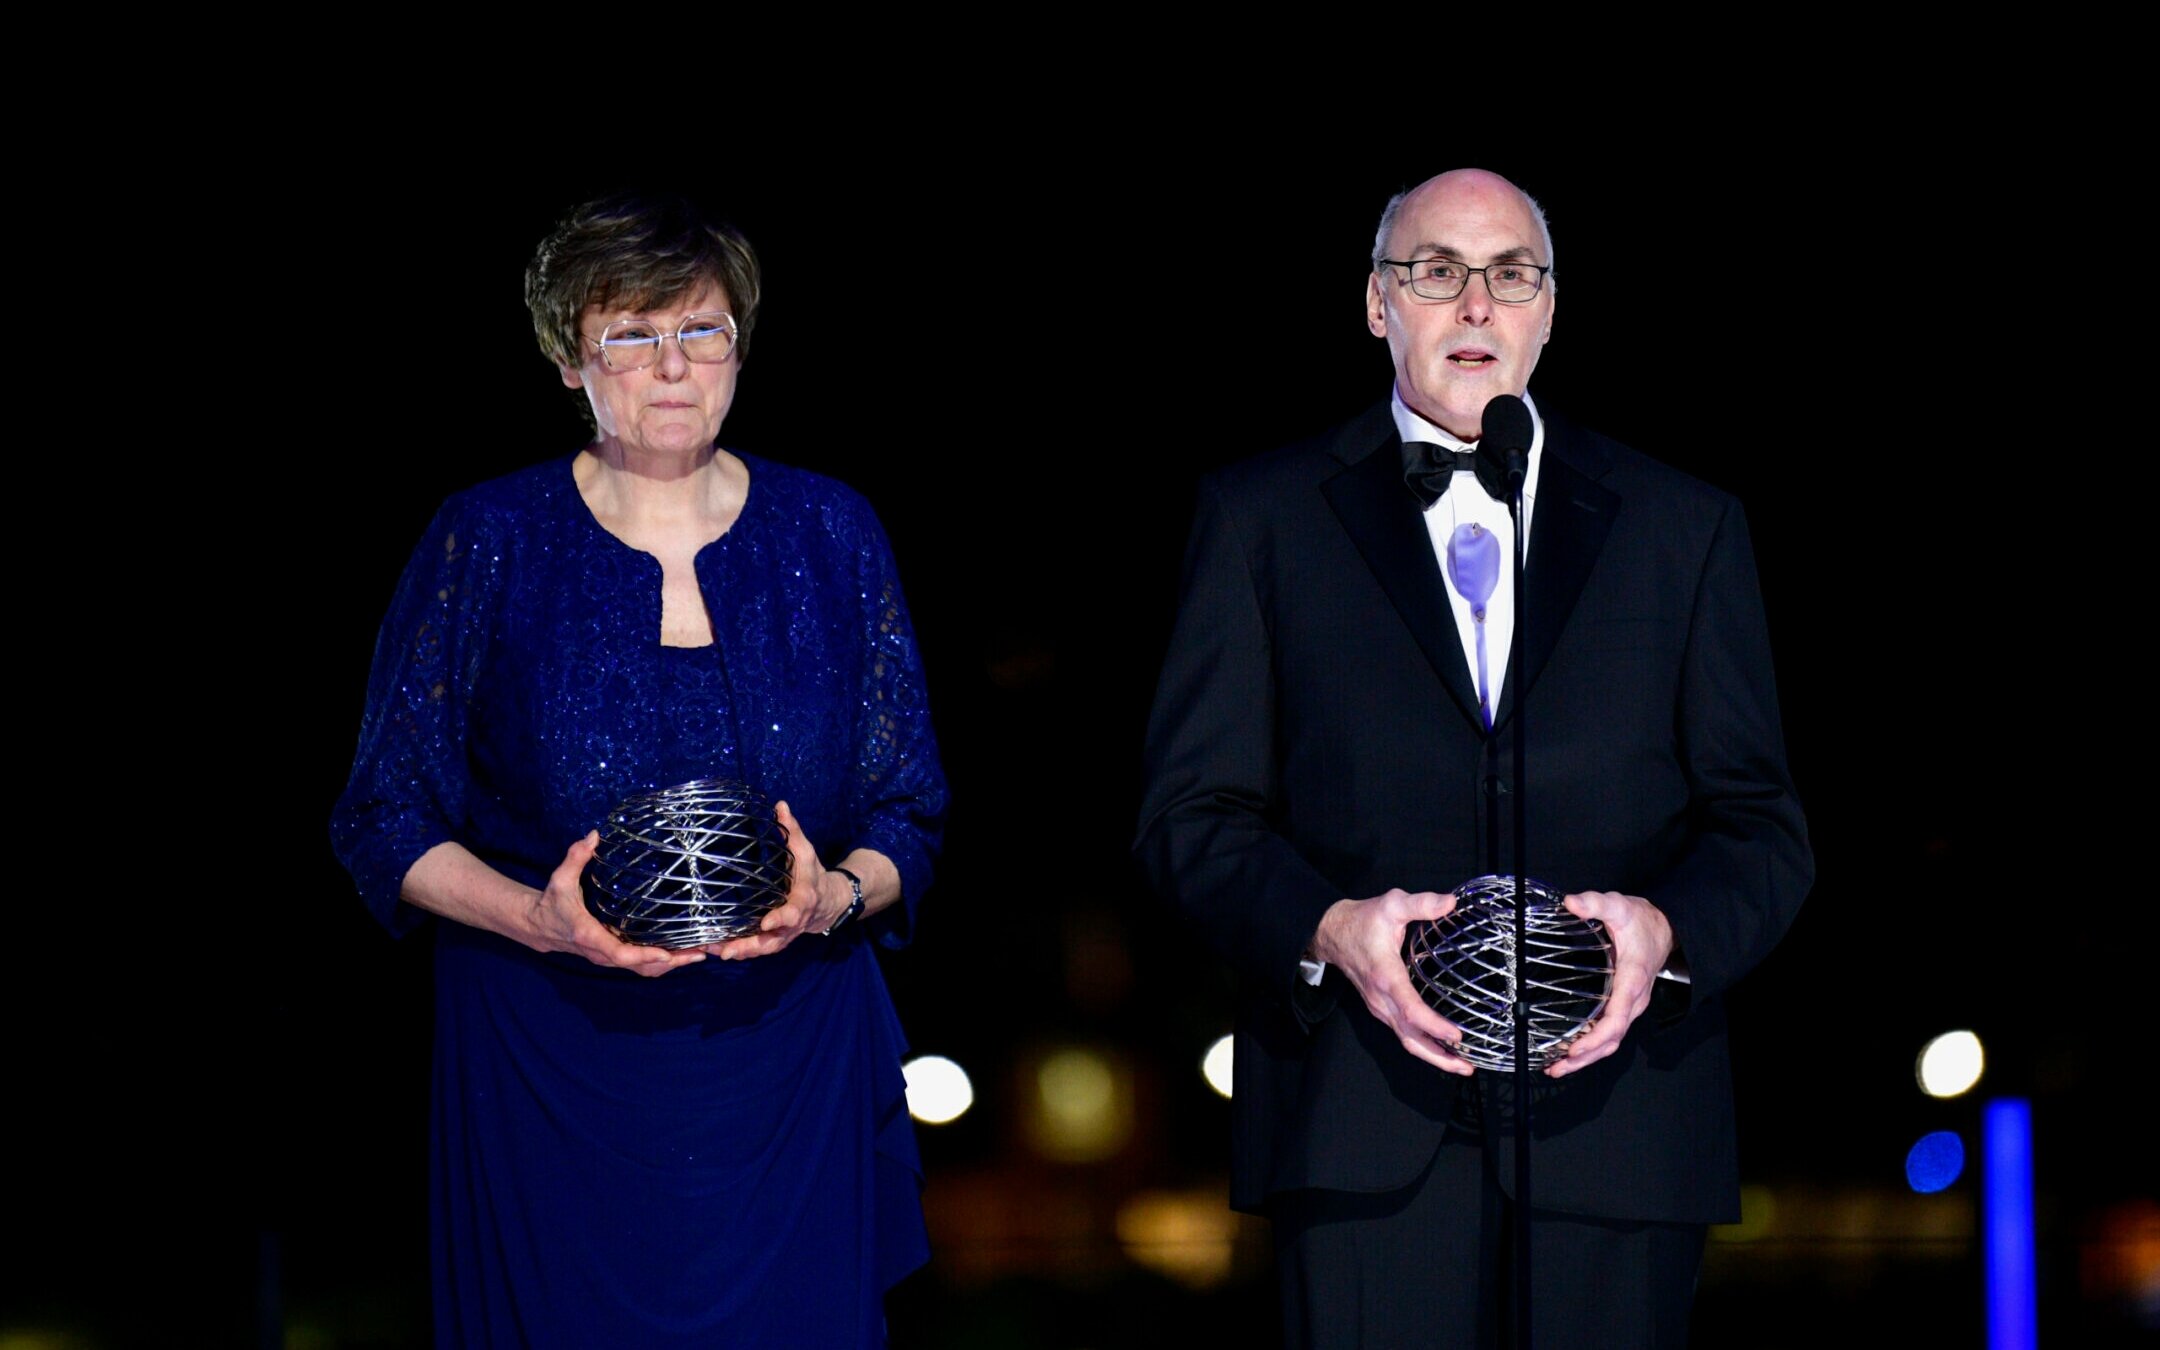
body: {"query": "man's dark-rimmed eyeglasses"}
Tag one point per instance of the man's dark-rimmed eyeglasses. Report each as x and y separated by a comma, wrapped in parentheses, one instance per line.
(1511, 283)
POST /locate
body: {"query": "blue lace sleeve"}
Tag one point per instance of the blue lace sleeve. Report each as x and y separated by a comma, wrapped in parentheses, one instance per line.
(899, 787)
(410, 781)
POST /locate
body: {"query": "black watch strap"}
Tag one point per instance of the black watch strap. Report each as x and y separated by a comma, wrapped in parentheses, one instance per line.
(854, 909)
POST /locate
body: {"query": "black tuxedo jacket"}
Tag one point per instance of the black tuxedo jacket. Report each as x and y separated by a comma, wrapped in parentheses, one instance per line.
(1315, 736)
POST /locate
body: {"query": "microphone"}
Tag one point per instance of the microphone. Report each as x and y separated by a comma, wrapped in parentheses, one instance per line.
(1509, 430)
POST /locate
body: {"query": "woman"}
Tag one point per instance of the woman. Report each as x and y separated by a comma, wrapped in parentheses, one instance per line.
(719, 1153)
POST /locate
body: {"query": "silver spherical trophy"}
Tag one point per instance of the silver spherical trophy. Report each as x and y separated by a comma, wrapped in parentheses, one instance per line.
(1463, 966)
(686, 865)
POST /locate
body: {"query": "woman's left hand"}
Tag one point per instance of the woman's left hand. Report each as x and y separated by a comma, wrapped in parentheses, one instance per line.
(815, 898)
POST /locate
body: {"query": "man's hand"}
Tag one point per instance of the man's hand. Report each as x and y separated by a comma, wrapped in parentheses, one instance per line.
(1642, 941)
(1363, 939)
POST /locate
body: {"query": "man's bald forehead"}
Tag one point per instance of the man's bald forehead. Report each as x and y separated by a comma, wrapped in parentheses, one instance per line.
(1467, 180)
(1467, 183)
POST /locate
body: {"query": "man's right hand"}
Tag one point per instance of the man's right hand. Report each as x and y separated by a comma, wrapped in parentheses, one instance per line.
(1363, 939)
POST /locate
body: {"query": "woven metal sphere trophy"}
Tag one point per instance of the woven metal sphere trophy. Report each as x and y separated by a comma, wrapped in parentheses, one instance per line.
(1463, 966)
(686, 865)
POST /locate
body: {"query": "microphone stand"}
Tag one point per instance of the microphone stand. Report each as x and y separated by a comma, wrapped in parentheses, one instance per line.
(1518, 476)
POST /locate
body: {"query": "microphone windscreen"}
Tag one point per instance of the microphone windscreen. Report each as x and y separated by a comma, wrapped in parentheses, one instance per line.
(1507, 425)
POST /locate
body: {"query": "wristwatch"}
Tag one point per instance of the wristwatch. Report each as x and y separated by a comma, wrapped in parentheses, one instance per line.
(854, 909)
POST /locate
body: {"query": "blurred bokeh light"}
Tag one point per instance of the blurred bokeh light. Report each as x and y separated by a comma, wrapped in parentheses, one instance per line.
(1758, 1212)
(938, 1090)
(1081, 1108)
(1215, 1066)
(1186, 1235)
(1950, 1064)
(1934, 1161)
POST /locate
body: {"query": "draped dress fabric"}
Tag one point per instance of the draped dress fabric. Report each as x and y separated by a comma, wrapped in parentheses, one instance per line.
(722, 1155)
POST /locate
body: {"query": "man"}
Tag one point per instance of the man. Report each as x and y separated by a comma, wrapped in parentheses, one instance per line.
(1332, 747)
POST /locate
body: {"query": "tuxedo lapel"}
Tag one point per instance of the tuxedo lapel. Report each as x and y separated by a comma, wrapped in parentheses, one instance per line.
(1574, 513)
(1382, 519)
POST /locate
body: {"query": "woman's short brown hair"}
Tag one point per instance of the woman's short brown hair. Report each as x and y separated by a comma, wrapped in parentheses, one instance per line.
(634, 250)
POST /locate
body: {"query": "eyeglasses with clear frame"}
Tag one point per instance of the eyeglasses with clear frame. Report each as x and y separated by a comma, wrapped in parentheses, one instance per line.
(633, 344)
(1510, 283)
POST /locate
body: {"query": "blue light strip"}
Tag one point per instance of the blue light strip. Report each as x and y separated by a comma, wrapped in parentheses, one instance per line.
(2012, 1284)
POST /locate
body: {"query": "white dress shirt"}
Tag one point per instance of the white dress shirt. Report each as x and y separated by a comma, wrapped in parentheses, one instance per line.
(1465, 503)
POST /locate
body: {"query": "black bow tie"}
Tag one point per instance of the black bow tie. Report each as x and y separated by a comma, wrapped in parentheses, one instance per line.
(1429, 468)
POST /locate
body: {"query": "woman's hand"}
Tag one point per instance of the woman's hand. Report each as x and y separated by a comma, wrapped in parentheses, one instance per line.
(815, 899)
(557, 921)
(450, 880)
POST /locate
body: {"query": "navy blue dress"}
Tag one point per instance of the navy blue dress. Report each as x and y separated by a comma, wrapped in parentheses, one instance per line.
(721, 1156)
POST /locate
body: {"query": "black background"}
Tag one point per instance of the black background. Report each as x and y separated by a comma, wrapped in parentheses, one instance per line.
(1024, 349)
